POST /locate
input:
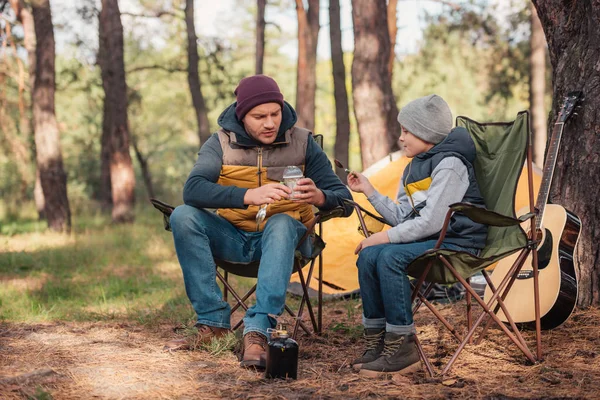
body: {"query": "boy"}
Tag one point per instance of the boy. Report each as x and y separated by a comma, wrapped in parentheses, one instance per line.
(439, 174)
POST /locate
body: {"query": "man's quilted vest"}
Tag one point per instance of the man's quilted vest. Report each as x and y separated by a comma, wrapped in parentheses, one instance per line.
(255, 166)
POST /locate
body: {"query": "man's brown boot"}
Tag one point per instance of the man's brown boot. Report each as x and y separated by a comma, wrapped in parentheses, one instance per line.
(255, 351)
(205, 334)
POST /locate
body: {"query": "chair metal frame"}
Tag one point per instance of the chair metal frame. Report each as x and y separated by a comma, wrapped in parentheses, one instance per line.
(316, 321)
(495, 303)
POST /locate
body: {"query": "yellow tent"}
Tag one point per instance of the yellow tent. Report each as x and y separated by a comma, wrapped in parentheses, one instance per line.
(342, 236)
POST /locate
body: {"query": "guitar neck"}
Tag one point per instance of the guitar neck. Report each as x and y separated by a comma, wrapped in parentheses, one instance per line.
(548, 171)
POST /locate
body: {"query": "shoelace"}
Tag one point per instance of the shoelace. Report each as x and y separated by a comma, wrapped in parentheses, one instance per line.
(257, 338)
(372, 341)
(391, 346)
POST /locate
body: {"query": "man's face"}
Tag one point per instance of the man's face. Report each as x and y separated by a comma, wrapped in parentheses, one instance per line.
(412, 144)
(263, 121)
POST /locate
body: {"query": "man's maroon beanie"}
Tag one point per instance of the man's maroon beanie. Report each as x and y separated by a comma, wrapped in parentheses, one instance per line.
(255, 90)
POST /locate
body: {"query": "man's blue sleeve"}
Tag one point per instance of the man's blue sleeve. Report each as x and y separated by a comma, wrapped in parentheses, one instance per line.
(201, 189)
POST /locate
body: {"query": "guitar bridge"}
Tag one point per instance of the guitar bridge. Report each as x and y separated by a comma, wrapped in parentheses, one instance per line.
(525, 274)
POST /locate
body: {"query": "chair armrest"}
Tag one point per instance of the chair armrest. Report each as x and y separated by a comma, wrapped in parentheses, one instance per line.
(166, 210)
(487, 217)
(336, 212)
(360, 208)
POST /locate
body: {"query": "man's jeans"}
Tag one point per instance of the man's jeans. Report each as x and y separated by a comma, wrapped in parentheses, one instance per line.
(384, 286)
(200, 236)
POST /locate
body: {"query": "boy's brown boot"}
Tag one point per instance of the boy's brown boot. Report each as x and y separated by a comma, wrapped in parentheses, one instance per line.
(205, 334)
(400, 356)
(255, 351)
(373, 347)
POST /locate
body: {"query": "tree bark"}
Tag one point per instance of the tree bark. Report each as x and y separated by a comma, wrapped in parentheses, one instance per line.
(260, 36)
(374, 104)
(308, 34)
(342, 113)
(115, 133)
(47, 138)
(537, 88)
(24, 16)
(193, 76)
(574, 46)
(393, 30)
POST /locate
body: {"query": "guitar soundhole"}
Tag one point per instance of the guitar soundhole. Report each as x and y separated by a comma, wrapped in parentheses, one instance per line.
(544, 255)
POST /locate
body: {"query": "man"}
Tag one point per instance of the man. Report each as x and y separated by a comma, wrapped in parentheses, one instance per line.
(238, 170)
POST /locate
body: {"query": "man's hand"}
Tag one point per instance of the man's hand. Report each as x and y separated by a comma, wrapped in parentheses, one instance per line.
(306, 191)
(373, 240)
(357, 182)
(267, 194)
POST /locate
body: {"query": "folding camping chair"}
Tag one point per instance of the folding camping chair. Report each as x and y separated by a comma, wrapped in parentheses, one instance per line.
(314, 231)
(502, 149)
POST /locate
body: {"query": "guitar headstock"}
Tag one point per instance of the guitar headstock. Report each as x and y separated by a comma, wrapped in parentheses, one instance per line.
(570, 103)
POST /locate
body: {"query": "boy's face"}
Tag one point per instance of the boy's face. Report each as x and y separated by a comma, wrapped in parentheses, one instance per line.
(263, 121)
(412, 144)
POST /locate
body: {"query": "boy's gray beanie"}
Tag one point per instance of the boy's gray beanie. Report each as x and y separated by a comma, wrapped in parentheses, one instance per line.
(428, 118)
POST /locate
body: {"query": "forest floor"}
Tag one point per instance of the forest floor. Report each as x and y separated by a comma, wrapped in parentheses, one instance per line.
(125, 360)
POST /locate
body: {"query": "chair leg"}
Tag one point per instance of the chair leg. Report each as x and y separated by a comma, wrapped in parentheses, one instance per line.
(423, 300)
(503, 289)
(225, 289)
(242, 303)
(320, 300)
(424, 357)
(536, 299)
(239, 300)
(305, 299)
(469, 307)
(298, 321)
(418, 301)
(516, 341)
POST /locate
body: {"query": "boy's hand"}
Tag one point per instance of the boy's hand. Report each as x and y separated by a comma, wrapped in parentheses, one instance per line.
(306, 191)
(357, 182)
(267, 194)
(373, 240)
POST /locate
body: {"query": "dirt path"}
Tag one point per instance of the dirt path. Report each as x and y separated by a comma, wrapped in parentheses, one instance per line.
(122, 361)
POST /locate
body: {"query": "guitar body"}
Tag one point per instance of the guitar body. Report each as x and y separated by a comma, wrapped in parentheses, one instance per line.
(560, 231)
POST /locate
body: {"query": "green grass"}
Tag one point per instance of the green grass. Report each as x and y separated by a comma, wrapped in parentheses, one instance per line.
(99, 272)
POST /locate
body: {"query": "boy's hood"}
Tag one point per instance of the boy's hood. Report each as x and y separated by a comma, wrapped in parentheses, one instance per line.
(229, 121)
(458, 141)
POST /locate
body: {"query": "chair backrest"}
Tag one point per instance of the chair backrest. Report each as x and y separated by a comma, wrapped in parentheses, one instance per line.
(501, 153)
(502, 148)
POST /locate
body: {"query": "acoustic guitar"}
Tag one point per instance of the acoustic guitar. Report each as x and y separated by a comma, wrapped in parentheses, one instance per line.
(557, 231)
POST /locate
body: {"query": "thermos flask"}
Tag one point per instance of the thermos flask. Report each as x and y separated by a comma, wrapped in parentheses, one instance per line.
(282, 356)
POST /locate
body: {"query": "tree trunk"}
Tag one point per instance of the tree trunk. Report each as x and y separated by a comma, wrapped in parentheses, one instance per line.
(393, 31)
(47, 138)
(374, 104)
(342, 114)
(574, 46)
(193, 76)
(308, 34)
(537, 89)
(24, 16)
(260, 36)
(115, 133)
